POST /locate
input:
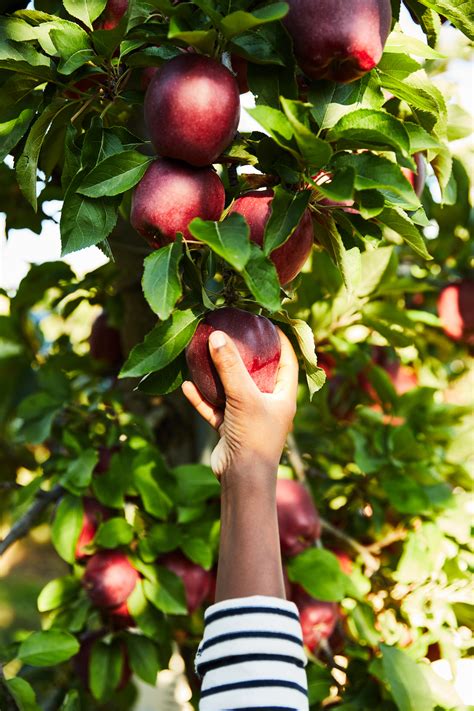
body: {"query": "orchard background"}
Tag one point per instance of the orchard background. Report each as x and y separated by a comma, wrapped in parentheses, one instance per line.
(100, 455)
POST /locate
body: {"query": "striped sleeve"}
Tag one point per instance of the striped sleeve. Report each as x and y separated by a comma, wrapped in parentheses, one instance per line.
(251, 656)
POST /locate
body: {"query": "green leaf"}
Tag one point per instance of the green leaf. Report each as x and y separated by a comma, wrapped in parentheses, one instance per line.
(73, 46)
(459, 12)
(229, 238)
(23, 694)
(315, 376)
(287, 209)
(167, 594)
(105, 670)
(166, 380)
(330, 100)
(85, 10)
(161, 282)
(319, 573)
(398, 42)
(47, 648)
(327, 234)
(367, 127)
(398, 221)
(71, 701)
(374, 263)
(78, 475)
(238, 22)
(144, 658)
(113, 533)
(315, 152)
(38, 412)
(58, 592)
(277, 125)
(405, 681)
(319, 682)
(148, 469)
(203, 40)
(261, 278)
(195, 483)
(148, 619)
(86, 222)
(163, 344)
(24, 59)
(110, 486)
(66, 527)
(115, 175)
(197, 550)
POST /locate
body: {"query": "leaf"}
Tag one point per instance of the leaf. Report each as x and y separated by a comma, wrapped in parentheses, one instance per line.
(229, 238)
(398, 221)
(66, 527)
(374, 263)
(110, 486)
(405, 680)
(315, 152)
(85, 10)
(277, 125)
(161, 282)
(78, 475)
(261, 278)
(86, 222)
(163, 344)
(73, 46)
(166, 380)
(238, 22)
(48, 648)
(319, 573)
(147, 469)
(459, 12)
(167, 594)
(105, 670)
(58, 592)
(114, 175)
(203, 40)
(327, 234)
(38, 412)
(197, 550)
(195, 483)
(287, 209)
(315, 376)
(22, 693)
(113, 533)
(144, 658)
(366, 127)
(330, 100)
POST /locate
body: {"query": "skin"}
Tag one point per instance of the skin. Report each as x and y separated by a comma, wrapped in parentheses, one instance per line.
(253, 429)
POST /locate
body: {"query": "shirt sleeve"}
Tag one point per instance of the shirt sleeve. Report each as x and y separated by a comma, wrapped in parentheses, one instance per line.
(251, 656)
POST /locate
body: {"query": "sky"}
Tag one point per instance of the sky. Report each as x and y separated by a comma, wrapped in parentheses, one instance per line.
(24, 247)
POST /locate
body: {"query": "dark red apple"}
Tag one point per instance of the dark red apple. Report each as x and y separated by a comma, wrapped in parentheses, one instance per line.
(192, 109)
(288, 259)
(94, 514)
(456, 311)
(146, 76)
(170, 195)
(119, 617)
(240, 65)
(111, 16)
(257, 341)
(298, 520)
(105, 342)
(318, 619)
(197, 582)
(418, 179)
(336, 39)
(109, 578)
(83, 658)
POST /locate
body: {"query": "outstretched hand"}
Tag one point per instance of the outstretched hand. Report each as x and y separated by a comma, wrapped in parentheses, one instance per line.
(254, 425)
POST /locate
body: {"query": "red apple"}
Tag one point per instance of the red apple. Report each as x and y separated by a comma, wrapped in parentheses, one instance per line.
(111, 16)
(456, 311)
(298, 519)
(336, 39)
(257, 341)
(240, 65)
(288, 259)
(105, 342)
(418, 179)
(82, 660)
(94, 514)
(119, 617)
(192, 109)
(170, 195)
(318, 619)
(197, 582)
(345, 562)
(109, 578)
(146, 76)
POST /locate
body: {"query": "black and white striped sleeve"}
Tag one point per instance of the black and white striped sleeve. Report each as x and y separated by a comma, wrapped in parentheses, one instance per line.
(251, 656)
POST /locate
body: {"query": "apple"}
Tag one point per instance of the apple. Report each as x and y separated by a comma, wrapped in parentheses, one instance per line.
(82, 660)
(170, 195)
(94, 514)
(336, 39)
(105, 342)
(111, 16)
(456, 311)
(192, 109)
(298, 519)
(109, 578)
(105, 455)
(257, 341)
(198, 583)
(318, 619)
(288, 259)
(418, 179)
(240, 65)
(119, 617)
(345, 562)
(146, 76)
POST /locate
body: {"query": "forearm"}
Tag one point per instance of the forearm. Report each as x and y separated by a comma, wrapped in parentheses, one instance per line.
(249, 555)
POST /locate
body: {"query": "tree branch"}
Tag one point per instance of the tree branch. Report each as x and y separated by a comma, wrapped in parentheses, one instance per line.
(21, 527)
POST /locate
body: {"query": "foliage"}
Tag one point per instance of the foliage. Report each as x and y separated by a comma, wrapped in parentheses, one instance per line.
(388, 468)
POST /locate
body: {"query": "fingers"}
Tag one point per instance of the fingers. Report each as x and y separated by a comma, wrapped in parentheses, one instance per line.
(233, 374)
(287, 377)
(211, 414)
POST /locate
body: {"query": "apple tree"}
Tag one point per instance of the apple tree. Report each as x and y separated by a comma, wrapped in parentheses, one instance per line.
(342, 214)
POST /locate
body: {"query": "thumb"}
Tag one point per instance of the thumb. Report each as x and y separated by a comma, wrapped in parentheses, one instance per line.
(234, 375)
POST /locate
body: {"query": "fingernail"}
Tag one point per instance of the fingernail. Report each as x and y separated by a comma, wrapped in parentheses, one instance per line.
(217, 339)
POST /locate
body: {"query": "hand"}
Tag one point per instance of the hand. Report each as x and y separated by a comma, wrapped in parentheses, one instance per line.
(254, 425)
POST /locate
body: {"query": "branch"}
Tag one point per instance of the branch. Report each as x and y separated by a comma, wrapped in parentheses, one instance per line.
(295, 458)
(398, 534)
(21, 527)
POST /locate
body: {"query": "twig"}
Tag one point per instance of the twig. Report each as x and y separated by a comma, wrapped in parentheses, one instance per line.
(295, 458)
(21, 527)
(398, 534)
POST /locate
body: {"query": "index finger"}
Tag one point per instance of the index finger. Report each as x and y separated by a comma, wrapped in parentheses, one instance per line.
(287, 376)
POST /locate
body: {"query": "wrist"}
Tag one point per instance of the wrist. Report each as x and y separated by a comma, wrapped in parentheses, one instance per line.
(251, 477)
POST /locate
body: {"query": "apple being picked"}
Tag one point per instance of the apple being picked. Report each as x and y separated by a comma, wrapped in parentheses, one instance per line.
(192, 109)
(338, 40)
(198, 583)
(94, 514)
(170, 195)
(298, 520)
(257, 341)
(290, 257)
(109, 580)
(456, 311)
(318, 619)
